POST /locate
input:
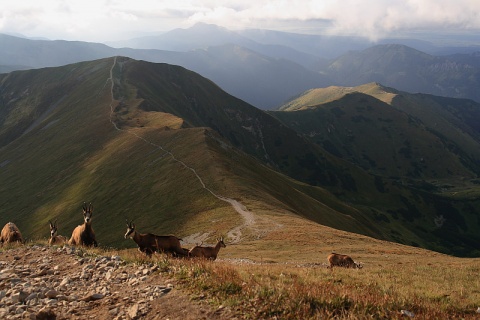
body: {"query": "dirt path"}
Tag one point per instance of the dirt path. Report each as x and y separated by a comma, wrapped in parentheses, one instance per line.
(235, 235)
(249, 219)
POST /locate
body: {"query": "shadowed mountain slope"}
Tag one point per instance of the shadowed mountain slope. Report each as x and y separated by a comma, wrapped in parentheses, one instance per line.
(427, 142)
(46, 53)
(261, 80)
(164, 151)
(390, 132)
(407, 69)
(267, 72)
(164, 146)
(203, 36)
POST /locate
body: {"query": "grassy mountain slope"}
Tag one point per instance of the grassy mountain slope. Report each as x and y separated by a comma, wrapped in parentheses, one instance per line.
(60, 148)
(138, 150)
(201, 104)
(74, 154)
(380, 138)
(445, 123)
(428, 143)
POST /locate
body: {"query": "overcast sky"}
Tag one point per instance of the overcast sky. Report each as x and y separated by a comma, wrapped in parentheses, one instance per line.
(110, 20)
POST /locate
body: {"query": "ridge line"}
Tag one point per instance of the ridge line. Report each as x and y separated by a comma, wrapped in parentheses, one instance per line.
(248, 216)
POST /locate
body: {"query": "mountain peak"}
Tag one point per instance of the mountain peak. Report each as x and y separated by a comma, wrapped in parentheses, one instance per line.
(313, 97)
(207, 27)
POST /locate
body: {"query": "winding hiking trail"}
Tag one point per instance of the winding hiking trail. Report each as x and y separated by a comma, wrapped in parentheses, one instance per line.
(235, 234)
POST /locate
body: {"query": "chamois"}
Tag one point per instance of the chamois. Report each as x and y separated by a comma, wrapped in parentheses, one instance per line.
(10, 233)
(83, 234)
(148, 243)
(55, 239)
(207, 252)
(342, 260)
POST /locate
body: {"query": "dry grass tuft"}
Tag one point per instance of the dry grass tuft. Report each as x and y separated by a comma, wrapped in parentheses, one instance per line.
(288, 291)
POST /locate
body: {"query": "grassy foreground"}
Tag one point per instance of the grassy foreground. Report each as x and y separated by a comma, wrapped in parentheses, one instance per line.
(442, 287)
(283, 275)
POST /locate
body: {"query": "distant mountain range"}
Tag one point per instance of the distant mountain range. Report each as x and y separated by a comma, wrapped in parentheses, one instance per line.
(273, 43)
(410, 70)
(155, 142)
(266, 68)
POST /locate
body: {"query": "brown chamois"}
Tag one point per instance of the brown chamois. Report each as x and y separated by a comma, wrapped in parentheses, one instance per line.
(55, 239)
(10, 233)
(209, 253)
(83, 234)
(148, 243)
(342, 260)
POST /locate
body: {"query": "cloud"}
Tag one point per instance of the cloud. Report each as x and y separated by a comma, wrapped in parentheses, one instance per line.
(377, 18)
(369, 18)
(108, 19)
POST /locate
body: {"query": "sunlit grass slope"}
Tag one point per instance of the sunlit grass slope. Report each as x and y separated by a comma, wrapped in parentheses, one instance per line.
(164, 149)
(133, 163)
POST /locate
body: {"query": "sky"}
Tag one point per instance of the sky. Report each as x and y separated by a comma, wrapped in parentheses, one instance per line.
(112, 20)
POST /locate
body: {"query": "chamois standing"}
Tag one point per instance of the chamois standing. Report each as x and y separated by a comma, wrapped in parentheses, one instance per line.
(148, 243)
(55, 239)
(207, 252)
(10, 233)
(342, 260)
(83, 234)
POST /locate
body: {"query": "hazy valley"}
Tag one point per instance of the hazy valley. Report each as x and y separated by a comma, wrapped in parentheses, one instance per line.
(266, 68)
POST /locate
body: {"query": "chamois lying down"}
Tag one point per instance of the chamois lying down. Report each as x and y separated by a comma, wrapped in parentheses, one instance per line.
(342, 260)
(149, 243)
(10, 233)
(83, 234)
(207, 252)
(55, 239)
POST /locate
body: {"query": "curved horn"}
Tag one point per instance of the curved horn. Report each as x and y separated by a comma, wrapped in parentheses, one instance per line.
(130, 224)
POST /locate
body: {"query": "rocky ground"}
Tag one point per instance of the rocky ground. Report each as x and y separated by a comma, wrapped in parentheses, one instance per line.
(40, 282)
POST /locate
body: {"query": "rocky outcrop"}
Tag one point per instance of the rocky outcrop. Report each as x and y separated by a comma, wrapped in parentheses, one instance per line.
(38, 282)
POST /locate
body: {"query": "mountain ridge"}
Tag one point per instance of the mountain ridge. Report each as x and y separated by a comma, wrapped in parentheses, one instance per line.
(407, 69)
(140, 130)
(120, 154)
(274, 74)
(442, 118)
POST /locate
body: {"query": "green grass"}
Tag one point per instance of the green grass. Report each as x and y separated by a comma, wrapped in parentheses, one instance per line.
(75, 154)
